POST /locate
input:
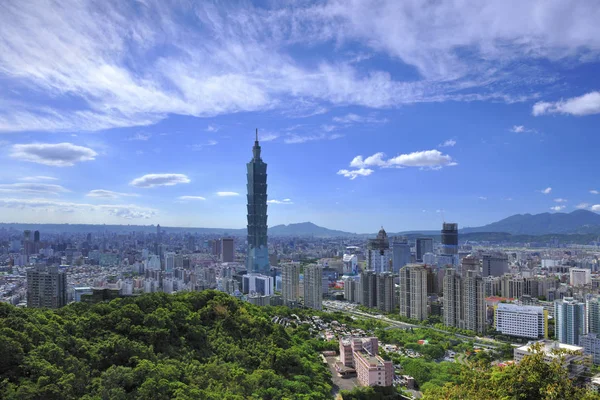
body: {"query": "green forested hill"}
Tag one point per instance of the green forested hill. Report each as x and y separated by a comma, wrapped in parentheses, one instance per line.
(201, 345)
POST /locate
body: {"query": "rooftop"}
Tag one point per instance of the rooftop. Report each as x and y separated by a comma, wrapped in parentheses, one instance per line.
(550, 345)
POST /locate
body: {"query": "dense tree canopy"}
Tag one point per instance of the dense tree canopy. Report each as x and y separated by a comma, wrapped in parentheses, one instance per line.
(200, 345)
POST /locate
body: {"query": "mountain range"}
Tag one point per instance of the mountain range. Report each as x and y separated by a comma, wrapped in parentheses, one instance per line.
(581, 222)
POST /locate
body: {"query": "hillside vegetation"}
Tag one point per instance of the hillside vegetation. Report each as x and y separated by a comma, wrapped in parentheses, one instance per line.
(200, 345)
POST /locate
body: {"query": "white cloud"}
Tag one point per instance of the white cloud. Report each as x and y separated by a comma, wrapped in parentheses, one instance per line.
(354, 173)
(191, 198)
(38, 178)
(200, 146)
(32, 188)
(284, 201)
(297, 139)
(522, 129)
(587, 104)
(546, 191)
(557, 208)
(227, 194)
(428, 159)
(57, 155)
(595, 207)
(482, 198)
(153, 180)
(267, 137)
(448, 143)
(582, 206)
(140, 136)
(560, 200)
(351, 118)
(125, 211)
(109, 194)
(212, 128)
(227, 58)
(594, 192)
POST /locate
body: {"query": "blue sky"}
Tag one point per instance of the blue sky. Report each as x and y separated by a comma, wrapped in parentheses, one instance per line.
(370, 113)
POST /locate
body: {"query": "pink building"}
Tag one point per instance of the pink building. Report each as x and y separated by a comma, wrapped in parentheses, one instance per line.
(361, 354)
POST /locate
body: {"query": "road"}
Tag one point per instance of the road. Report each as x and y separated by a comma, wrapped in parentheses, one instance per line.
(483, 342)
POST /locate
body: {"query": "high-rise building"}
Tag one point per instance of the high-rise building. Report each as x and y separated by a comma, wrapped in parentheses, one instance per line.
(591, 346)
(227, 250)
(257, 284)
(593, 310)
(368, 289)
(290, 283)
(449, 238)
(258, 252)
(46, 287)
(413, 291)
(352, 289)
(521, 321)
(216, 248)
(400, 253)
(169, 261)
(378, 253)
(464, 301)
(494, 264)
(386, 293)
(580, 276)
(570, 320)
(350, 264)
(423, 246)
(36, 236)
(313, 287)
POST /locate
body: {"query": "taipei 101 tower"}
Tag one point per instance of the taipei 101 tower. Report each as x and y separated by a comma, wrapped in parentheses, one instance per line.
(258, 253)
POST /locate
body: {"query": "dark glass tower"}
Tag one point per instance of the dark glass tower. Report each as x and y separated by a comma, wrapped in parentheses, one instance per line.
(258, 253)
(449, 238)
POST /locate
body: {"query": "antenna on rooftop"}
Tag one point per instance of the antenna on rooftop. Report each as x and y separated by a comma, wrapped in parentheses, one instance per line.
(257, 134)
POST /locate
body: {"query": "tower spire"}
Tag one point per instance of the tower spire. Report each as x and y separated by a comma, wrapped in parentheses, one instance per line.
(257, 134)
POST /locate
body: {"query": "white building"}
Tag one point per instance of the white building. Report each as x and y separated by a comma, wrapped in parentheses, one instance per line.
(580, 276)
(591, 346)
(522, 321)
(258, 284)
(576, 364)
(350, 264)
(290, 283)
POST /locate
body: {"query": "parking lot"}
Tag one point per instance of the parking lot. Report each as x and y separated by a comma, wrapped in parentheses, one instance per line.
(338, 382)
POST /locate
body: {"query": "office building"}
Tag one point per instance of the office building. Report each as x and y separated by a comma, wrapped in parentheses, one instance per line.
(494, 264)
(423, 246)
(570, 320)
(350, 264)
(169, 261)
(36, 236)
(290, 283)
(449, 238)
(576, 363)
(379, 255)
(591, 346)
(227, 250)
(580, 277)
(368, 289)
(413, 291)
(400, 253)
(385, 292)
(362, 355)
(253, 284)
(258, 253)
(521, 321)
(313, 286)
(464, 301)
(469, 263)
(46, 287)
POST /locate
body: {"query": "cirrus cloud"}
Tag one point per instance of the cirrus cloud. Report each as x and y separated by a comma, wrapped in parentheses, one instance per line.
(109, 194)
(154, 180)
(284, 201)
(227, 194)
(53, 154)
(125, 211)
(191, 198)
(32, 188)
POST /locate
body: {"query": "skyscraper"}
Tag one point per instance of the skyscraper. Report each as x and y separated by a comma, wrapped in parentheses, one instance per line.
(464, 300)
(227, 250)
(449, 238)
(400, 253)
(570, 320)
(313, 287)
(36, 236)
(290, 283)
(258, 253)
(368, 289)
(46, 287)
(424, 246)
(378, 253)
(413, 291)
(385, 292)
(495, 264)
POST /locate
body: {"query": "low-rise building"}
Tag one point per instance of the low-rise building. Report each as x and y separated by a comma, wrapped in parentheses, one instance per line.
(591, 346)
(362, 355)
(575, 361)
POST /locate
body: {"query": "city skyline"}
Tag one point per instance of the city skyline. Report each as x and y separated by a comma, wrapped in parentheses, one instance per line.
(148, 122)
